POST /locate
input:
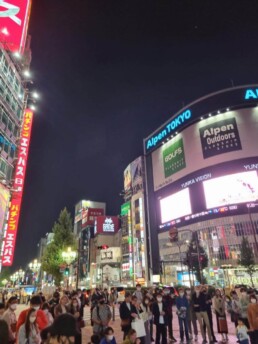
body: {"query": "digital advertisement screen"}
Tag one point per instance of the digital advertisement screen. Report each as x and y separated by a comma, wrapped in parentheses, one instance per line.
(175, 206)
(231, 189)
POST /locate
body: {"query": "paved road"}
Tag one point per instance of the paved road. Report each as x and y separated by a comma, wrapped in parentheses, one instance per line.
(87, 330)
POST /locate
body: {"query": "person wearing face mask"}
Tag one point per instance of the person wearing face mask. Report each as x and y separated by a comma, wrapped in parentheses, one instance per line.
(46, 310)
(10, 318)
(29, 332)
(209, 313)
(200, 309)
(191, 316)
(35, 303)
(219, 308)
(101, 316)
(160, 313)
(182, 306)
(63, 306)
(127, 312)
(54, 301)
(75, 311)
(146, 316)
(169, 300)
(109, 336)
(252, 312)
(243, 303)
(138, 293)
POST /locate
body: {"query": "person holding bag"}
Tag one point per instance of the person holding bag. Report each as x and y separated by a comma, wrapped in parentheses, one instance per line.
(219, 308)
(127, 313)
(138, 322)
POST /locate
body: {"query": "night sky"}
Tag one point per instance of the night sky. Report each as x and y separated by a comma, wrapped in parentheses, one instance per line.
(109, 73)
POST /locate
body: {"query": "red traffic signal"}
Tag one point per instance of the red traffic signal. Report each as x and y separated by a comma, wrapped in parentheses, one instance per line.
(103, 247)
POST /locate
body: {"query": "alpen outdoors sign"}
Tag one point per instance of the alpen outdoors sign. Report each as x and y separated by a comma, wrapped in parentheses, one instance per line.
(220, 137)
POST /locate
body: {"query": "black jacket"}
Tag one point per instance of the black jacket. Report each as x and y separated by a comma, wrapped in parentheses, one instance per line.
(156, 312)
(125, 312)
(199, 303)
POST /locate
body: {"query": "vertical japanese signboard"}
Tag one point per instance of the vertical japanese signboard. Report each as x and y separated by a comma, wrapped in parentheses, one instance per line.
(14, 20)
(19, 179)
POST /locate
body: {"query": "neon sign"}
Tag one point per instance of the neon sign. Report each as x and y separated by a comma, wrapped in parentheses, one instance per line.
(251, 94)
(170, 128)
(14, 19)
(19, 179)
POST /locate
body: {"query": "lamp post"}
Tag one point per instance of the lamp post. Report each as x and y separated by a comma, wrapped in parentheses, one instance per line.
(35, 267)
(68, 256)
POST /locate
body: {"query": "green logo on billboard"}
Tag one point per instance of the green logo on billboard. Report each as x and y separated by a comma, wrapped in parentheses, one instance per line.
(174, 158)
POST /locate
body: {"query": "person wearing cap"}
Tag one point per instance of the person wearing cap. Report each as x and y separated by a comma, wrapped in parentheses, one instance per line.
(101, 316)
(9, 317)
(41, 319)
(62, 331)
(127, 312)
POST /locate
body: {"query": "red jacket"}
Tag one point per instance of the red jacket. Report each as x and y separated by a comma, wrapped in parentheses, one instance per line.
(41, 319)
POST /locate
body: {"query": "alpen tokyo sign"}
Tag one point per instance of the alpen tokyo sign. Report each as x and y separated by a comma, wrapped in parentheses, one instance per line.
(19, 179)
(14, 19)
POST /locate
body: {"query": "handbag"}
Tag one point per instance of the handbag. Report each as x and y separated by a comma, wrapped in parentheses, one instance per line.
(138, 326)
(125, 322)
(223, 326)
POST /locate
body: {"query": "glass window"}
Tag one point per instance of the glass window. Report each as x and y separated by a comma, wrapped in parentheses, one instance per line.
(6, 147)
(12, 152)
(5, 119)
(10, 126)
(3, 166)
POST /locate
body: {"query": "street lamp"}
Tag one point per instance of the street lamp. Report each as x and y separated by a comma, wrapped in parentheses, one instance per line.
(68, 256)
(35, 266)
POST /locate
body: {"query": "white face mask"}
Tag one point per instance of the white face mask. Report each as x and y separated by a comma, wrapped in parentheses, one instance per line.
(110, 337)
(181, 294)
(45, 311)
(13, 307)
(159, 299)
(139, 289)
(253, 300)
(166, 292)
(36, 308)
(32, 319)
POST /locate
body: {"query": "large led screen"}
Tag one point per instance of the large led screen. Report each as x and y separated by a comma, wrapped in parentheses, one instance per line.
(231, 189)
(175, 206)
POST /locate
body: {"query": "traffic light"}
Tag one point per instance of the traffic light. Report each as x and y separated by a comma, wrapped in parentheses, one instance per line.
(66, 272)
(103, 247)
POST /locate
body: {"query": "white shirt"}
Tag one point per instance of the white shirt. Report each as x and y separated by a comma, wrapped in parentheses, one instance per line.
(128, 305)
(161, 317)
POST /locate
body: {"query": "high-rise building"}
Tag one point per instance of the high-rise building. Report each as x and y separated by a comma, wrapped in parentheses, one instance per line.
(202, 178)
(15, 58)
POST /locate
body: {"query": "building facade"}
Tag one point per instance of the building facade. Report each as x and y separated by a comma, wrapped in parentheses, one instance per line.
(201, 176)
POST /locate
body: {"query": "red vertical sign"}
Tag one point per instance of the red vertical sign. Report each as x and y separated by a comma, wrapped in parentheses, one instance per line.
(19, 179)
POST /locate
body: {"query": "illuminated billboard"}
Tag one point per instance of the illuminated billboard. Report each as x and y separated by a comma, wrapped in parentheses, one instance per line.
(14, 20)
(106, 224)
(175, 206)
(4, 199)
(231, 189)
(18, 185)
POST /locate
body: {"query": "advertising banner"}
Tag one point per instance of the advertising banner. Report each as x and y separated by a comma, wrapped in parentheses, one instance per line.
(89, 215)
(106, 224)
(220, 137)
(19, 179)
(110, 255)
(217, 139)
(14, 20)
(4, 199)
(174, 158)
(127, 179)
(137, 174)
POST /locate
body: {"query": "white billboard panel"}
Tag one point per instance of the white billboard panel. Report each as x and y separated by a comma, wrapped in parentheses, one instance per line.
(231, 189)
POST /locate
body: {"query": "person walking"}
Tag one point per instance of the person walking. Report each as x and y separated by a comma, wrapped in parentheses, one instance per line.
(219, 308)
(75, 311)
(63, 307)
(29, 332)
(138, 293)
(41, 319)
(101, 316)
(244, 301)
(200, 309)
(10, 318)
(160, 313)
(113, 301)
(182, 306)
(169, 299)
(209, 313)
(127, 313)
(191, 316)
(252, 313)
(108, 336)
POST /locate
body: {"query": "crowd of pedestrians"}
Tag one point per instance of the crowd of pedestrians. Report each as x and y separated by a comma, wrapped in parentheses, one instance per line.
(146, 315)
